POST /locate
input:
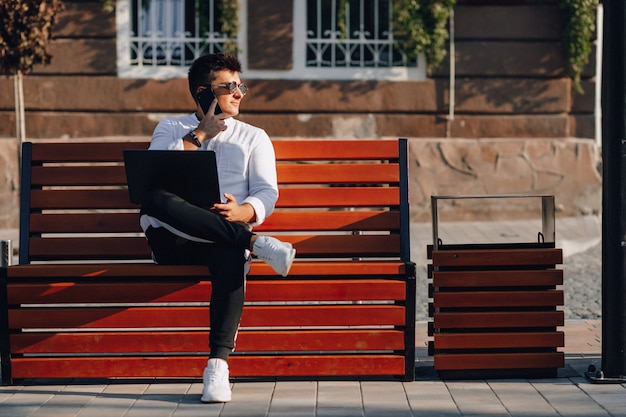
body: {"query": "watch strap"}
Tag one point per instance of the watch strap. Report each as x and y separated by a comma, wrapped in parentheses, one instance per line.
(194, 138)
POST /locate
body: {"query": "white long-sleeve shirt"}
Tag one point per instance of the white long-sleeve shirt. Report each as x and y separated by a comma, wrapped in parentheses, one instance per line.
(246, 164)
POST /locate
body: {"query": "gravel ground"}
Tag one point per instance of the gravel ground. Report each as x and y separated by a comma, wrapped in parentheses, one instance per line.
(582, 279)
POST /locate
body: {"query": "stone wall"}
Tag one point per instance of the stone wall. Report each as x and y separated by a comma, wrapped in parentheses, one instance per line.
(569, 169)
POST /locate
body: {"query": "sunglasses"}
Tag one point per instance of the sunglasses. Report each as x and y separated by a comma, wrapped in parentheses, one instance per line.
(232, 87)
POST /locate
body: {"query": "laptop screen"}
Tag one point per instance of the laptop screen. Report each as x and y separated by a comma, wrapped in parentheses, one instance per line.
(190, 175)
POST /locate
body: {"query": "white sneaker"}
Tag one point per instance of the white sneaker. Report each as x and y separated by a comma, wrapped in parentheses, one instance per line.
(279, 255)
(216, 384)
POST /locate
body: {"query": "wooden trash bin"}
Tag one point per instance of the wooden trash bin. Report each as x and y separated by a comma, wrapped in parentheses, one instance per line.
(494, 306)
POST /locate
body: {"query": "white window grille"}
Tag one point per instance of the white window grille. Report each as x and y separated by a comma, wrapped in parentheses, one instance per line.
(161, 38)
(320, 53)
(368, 39)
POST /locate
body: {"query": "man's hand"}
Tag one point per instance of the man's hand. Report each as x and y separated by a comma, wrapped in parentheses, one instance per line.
(234, 212)
(211, 124)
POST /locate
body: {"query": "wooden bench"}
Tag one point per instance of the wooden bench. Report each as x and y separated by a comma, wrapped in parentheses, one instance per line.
(85, 300)
(495, 306)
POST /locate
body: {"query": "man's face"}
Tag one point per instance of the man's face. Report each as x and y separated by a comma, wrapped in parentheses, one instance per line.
(229, 102)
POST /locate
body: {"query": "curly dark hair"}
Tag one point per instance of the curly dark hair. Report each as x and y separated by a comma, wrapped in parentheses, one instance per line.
(203, 69)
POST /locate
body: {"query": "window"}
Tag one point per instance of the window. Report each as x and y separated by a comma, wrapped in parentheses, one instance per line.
(367, 41)
(321, 53)
(161, 38)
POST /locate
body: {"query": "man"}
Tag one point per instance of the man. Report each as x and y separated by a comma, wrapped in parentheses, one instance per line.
(221, 236)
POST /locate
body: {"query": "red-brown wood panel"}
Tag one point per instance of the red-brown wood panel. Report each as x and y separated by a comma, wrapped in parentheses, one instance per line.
(499, 340)
(147, 270)
(337, 173)
(81, 199)
(85, 223)
(492, 319)
(318, 365)
(192, 367)
(524, 278)
(497, 257)
(189, 342)
(321, 268)
(99, 175)
(325, 196)
(498, 299)
(309, 149)
(279, 221)
(108, 222)
(87, 151)
(335, 149)
(95, 247)
(327, 290)
(449, 361)
(169, 316)
(345, 245)
(347, 220)
(193, 291)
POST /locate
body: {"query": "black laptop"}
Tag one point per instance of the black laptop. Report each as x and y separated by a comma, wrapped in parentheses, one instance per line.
(190, 175)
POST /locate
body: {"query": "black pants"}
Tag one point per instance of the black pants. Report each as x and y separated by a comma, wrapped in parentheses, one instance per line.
(225, 259)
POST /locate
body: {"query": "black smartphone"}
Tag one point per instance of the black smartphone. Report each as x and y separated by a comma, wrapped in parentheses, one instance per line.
(205, 98)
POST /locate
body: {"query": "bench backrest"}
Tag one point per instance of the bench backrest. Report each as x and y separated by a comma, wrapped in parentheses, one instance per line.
(338, 199)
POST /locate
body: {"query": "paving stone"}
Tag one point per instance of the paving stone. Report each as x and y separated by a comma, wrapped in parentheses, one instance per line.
(386, 398)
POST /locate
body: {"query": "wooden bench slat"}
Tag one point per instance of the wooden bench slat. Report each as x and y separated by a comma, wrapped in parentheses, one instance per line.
(146, 271)
(93, 247)
(449, 361)
(338, 174)
(85, 151)
(303, 197)
(345, 245)
(85, 223)
(192, 367)
(81, 199)
(174, 316)
(499, 340)
(498, 299)
(474, 320)
(506, 278)
(190, 291)
(323, 150)
(497, 257)
(286, 150)
(371, 220)
(130, 247)
(190, 342)
(115, 175)
(280, 221)
(327, 197)
(78, 176)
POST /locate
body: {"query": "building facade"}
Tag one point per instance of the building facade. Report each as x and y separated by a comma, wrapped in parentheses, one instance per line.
(501, 117)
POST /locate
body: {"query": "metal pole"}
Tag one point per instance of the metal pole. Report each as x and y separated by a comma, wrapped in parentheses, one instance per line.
(613, 196)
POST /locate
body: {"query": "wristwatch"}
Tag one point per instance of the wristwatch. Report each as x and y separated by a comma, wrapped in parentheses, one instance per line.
(194, 138)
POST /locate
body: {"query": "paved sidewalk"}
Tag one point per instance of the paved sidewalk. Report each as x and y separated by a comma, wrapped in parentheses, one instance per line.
(568, 395)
